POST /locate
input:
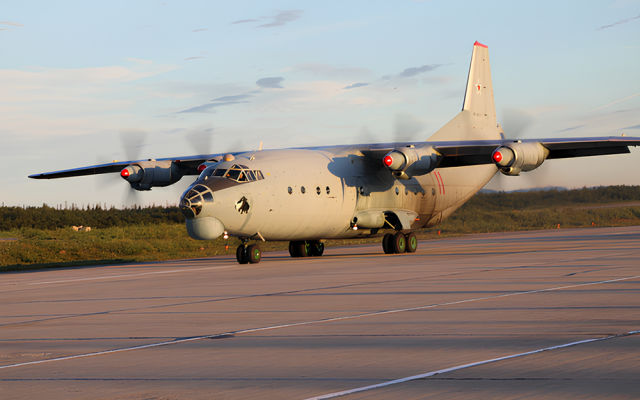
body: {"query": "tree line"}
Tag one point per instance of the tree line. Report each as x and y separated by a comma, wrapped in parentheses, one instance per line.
(49, 218)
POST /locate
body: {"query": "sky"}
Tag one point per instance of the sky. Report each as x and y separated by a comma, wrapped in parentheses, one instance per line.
(87, 82)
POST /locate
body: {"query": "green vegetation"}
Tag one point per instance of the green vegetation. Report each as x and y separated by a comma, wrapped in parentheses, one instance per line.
(44, 234)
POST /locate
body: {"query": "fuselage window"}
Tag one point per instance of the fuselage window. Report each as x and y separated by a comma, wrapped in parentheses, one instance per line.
(303, 190)
(328, 190)
(318, 190)
(289, 190)
(397, 191)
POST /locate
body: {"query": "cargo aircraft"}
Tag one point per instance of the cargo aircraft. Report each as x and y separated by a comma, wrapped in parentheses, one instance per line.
(308, 195)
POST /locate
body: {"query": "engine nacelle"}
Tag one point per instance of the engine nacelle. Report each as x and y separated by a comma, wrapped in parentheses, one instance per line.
(519, 157)
(406, 162)
(144, 175)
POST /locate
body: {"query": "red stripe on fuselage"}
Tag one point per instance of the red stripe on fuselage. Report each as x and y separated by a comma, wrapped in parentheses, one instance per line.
(441, 180)
(438, 180)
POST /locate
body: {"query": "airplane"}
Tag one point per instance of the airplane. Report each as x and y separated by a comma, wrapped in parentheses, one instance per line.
(391, 190)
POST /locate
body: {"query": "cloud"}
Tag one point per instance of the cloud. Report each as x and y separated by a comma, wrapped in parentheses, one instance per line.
(355, 85)
(192, 58)
(242, 21)
(270, 82)
(236, 97)
(11, 23)
(200, 30)
(624, 21)
(209, 108)
(81, 77)
(282, 18)
(571, 129)
(409, 72)
(632, 127)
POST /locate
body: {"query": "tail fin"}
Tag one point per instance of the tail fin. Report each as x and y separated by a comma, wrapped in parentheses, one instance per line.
(477, 120)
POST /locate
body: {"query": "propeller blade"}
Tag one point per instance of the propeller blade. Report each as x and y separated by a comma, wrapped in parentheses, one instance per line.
(200, 139)
(516, 122)
(407, 127)
(133, 141)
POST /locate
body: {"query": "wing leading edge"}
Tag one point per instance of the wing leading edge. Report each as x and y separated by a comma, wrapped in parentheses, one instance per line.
(188, 164)
(479, 152)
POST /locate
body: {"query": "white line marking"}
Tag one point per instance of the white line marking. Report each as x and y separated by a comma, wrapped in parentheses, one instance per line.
(317, 321)
(475, 364)
(127, 275)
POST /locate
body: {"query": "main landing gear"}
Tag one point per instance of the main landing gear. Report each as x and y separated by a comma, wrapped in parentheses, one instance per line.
(309, 248)
(248, 253)
(399, 243)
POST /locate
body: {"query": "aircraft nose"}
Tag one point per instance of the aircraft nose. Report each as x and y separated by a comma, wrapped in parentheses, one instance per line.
(193, 199)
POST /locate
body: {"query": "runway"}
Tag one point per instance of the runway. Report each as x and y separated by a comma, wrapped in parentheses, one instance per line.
(545, 314)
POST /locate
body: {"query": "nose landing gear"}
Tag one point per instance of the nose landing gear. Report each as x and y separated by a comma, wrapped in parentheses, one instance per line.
(248, 254)
(399, 243)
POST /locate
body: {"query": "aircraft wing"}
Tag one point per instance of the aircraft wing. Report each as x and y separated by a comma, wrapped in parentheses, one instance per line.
(188, 164)
(479, 152)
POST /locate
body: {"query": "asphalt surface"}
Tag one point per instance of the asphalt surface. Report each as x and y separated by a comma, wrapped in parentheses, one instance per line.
(354, 321)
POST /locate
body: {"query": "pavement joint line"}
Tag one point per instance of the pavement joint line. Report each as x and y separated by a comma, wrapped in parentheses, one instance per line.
(127, 275)
(295, 324)
(288, 292)
(464, 366)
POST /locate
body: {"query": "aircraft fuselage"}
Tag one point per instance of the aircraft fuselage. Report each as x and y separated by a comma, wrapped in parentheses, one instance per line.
(313, 194)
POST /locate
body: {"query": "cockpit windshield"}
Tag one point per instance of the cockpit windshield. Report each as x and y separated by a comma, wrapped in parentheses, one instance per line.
(238, 173)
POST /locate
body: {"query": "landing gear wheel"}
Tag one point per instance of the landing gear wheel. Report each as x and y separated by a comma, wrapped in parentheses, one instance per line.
(412, 243)
(241, 254)
(386, 243)
(316, 248)
(254, 254)
(399, 243)
(299, 248)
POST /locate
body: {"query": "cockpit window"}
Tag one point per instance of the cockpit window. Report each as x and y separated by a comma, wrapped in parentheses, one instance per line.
(242, 173)
(193, 199)
(219, 172)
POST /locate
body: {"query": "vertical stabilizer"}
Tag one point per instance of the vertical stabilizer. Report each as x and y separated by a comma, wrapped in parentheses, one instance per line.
(477, 120)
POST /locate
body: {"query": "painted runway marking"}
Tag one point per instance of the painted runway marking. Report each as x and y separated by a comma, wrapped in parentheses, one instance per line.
(318, 321)
(475, 364)
(128, 275)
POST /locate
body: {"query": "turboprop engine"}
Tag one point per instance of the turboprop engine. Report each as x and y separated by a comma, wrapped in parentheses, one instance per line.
(516, 157)
(406, 162)
(143, 175)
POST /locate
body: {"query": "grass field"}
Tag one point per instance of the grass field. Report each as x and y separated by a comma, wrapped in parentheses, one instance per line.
(153, 242)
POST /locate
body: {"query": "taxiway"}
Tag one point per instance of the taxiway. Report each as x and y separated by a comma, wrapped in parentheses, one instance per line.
(545, 314)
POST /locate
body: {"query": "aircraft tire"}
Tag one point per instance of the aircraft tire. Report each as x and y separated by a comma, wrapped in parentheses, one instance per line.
(241, 255)
(302, 249)
(412, 242)
(399, 243)
(292, 249)
(316, 248)
(386, 244)
(254, 254)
